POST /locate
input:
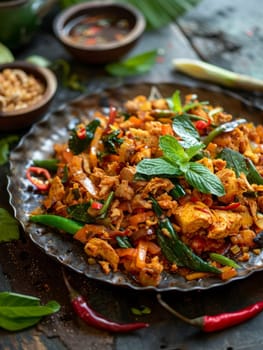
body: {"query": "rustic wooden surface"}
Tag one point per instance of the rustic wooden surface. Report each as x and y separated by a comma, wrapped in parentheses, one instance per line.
(229, 34)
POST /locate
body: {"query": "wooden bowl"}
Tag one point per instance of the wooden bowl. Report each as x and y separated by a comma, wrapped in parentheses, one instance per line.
(19, 118)
(99, 52)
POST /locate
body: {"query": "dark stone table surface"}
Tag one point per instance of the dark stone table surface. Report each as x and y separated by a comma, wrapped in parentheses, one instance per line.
(227, 33)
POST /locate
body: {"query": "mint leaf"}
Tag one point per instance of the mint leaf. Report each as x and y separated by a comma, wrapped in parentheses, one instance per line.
(201, 178)
(174, 102)
(136, 65)
(157, 167)
(193, 150)
(9, 227)
(172, 149)
(184, 128)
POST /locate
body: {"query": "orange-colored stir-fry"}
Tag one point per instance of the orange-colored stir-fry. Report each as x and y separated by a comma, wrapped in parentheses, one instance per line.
(158, 172)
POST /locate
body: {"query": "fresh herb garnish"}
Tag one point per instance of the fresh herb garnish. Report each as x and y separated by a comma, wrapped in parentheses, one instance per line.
(5, 147)
(176, 105)
(240, 164)
(184, 128)
(9, 226)
(19, 311)
(177, 162)
(79, 212)
(111, 141)
(77, 144)
(135, 65)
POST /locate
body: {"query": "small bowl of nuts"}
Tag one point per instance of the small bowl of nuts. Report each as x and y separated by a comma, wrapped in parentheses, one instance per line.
(26, 91)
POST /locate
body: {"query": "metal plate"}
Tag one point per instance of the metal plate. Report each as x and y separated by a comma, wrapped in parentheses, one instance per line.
(38, 144)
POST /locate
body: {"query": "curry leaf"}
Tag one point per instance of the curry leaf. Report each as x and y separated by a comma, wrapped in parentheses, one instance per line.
(19, 311)
(78, 145)
(9, 226)
(234, 160)
(201, 178)
(136, 65)
(253, 175)
(240, 164)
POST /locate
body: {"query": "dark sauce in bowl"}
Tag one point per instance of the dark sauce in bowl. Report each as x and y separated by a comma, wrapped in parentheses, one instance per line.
(95, 30)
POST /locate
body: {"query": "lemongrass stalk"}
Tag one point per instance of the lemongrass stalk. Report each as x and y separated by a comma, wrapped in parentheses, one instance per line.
(218, 75)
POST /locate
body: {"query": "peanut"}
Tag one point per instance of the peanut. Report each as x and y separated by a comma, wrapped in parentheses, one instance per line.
(19, 90)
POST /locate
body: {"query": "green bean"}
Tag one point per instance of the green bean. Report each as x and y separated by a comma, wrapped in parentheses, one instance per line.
(49, 164)
(224, 260)
(181, 252)
(58, 222)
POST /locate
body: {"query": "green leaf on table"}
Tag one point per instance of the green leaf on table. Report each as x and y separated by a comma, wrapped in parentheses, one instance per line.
(135, 65)
(38, 60)
(19, 311)
(5, 146)
(6, 55)
(9, 226)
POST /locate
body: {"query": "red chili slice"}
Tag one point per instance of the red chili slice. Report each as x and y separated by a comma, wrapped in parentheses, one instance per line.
(201, 124)
(96, 205)
(39, 177)
(81, 131)
(231, 206)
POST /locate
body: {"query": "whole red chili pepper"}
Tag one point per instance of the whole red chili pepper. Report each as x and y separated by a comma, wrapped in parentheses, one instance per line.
(92, 318)
(39, 177)
(220, 321)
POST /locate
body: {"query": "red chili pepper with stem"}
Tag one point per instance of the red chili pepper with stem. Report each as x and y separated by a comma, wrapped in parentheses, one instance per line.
(220, 321)
(92, 318)
(39, 177)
